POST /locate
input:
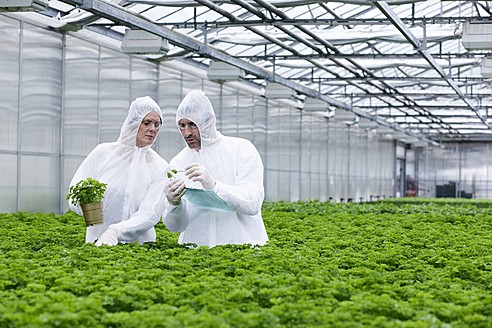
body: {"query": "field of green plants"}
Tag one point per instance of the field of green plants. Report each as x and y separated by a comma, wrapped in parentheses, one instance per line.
(326, 265)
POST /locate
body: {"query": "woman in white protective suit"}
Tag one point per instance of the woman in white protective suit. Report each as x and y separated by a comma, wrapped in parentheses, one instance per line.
(135, 176)
(230, 167)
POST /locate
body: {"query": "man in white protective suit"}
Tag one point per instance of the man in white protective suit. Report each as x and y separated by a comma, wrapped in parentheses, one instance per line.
(135, 176)
(230, 167)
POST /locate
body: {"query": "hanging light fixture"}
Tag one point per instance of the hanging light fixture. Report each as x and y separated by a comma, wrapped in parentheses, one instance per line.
(486, 70)
(219, 71)
(365, 123)
(278, 91)
(143, 42)
(315, 105)
(477, 35)
(22, 5)
(344, 116)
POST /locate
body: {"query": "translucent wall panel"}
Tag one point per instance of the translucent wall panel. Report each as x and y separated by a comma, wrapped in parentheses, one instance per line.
(260, 118)
(171, 98)
(342, 159)
(331, 158)
(245, 116)
(473, 174)
(9, 82)
(39, 184)
(488, 169)
(192, 82)
(305, 156)
(41, 93)
(284, 152)
(293, 143)
(447, 168)
(259, 126)
(358, 165)
(316, 139)
(422, 172)
(114, 93)
(170, 92)
(410, 174)
(374, 169)
(462, 170)
(81, 105)
(225, 105)
(8, 183)
(322, 149)
(386, 163)
(272, 150)
(70, 166)
(143, 78)
(427, 174)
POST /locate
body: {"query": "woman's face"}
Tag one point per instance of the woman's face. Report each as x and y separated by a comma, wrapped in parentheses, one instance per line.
(149, 127)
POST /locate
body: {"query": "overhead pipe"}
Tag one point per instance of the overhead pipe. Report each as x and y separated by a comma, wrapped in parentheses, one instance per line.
(121, 15)
(419, 47)
(283, 16)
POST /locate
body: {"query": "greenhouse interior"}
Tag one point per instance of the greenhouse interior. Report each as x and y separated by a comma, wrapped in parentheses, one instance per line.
(355, 134)
(345, 100)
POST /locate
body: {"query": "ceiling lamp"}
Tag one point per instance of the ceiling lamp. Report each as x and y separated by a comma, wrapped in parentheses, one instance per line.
(385, 130)
(346, 116)
(477, 35)
(409, 140)
(365, 123)
(23, 5)
(219, 71)
(421, 143)
(143, 42)
(486, 67)
(278, 91)
(315, 105)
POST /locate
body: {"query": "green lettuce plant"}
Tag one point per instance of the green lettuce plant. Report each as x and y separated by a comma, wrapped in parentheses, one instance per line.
(88, 191)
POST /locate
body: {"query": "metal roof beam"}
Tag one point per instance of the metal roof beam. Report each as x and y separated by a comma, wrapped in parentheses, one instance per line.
(122, 16)
(322, 21)
(366, 72)
(127, 18)
(420, 48)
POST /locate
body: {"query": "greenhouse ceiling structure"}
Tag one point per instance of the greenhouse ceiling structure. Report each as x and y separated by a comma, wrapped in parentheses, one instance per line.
(417, 67)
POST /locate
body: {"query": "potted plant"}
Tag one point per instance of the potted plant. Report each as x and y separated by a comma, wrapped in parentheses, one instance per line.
(89, 194)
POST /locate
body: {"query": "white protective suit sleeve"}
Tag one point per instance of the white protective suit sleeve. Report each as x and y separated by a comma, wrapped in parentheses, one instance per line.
(175, 216)
(247, 194)
(236, 166)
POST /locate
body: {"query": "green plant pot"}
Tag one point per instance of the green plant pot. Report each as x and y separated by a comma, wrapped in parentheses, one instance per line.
(92, 214)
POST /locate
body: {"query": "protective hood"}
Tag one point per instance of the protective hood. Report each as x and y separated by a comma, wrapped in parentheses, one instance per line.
(197, 108)
(139, 108)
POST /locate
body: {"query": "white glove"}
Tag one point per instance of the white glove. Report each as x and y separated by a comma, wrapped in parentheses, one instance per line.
(109, 237)
(174, 190)
(196, 172)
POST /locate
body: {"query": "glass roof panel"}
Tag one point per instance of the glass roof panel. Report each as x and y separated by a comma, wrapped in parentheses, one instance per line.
(404, 61)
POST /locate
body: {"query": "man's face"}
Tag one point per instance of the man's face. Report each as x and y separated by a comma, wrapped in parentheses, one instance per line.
(190, 133)
(149, 127)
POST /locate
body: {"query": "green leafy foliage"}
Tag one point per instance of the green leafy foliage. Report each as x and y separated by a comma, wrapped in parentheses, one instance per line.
(88, 191)
(172, 173)
(326, 265)
(439, 201)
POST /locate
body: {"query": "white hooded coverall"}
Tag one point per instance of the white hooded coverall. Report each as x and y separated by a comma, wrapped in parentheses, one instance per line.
(135, 178)
(236, 166)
